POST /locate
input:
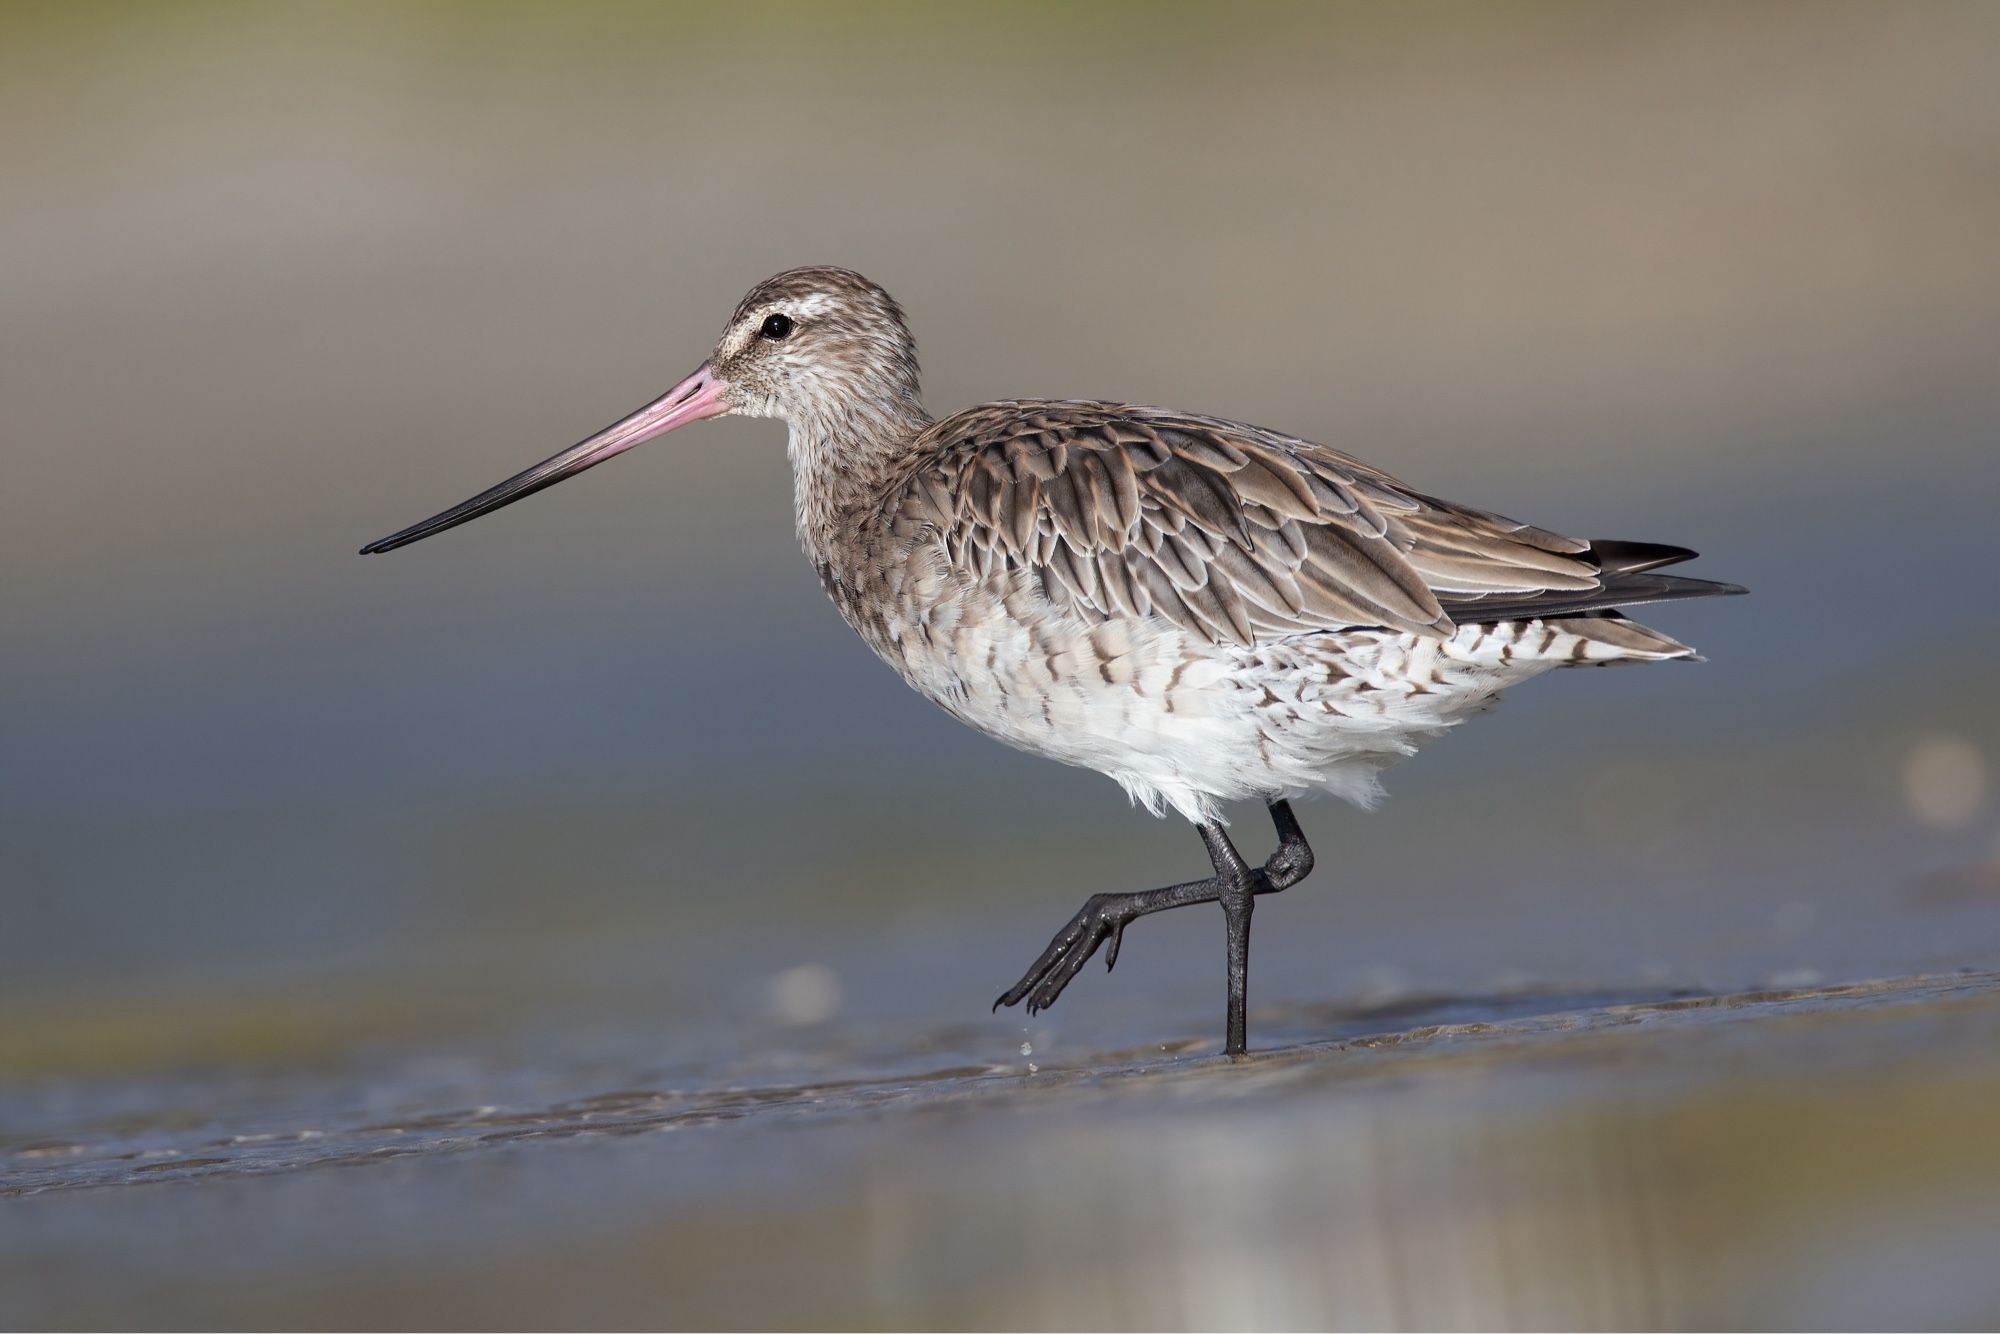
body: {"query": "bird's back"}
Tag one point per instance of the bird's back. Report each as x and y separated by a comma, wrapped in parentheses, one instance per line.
(1242, 535)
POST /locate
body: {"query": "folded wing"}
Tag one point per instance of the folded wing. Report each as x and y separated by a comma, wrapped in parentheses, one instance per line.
(1242, 535)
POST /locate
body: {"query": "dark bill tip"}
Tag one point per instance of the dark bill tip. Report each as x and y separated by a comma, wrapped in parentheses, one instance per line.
(699, 396)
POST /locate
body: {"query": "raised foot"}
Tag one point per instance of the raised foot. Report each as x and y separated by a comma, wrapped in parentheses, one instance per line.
(1102, 918)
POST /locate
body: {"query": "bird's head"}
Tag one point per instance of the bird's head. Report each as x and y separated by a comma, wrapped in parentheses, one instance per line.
(815, 344)
(814, 347)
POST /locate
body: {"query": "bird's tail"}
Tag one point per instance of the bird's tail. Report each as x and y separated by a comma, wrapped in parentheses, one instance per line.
(1626, 578)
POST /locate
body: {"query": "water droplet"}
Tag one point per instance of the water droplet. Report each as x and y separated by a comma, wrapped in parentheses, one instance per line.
(1027, 1049)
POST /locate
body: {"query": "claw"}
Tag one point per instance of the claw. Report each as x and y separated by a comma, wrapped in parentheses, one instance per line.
(1101, 922)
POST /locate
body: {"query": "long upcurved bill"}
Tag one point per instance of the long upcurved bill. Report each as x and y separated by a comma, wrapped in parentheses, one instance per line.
(698, 397)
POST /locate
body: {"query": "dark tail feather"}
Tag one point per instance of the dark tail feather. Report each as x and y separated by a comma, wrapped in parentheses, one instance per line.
(1625, 589)
(1614, 557)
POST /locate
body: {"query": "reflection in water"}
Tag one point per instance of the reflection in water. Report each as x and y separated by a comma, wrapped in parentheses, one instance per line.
(1453, 1195)
(1510, 1163)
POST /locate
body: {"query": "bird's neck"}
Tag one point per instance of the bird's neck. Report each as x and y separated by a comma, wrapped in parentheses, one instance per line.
(841, 463)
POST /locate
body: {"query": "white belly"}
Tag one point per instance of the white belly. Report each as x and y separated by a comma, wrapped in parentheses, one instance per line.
(1186, 725)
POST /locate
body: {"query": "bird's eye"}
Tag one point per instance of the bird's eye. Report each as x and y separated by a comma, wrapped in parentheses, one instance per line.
(776, 327)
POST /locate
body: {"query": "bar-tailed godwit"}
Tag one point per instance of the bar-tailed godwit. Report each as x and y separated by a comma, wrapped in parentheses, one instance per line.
(1205, 611)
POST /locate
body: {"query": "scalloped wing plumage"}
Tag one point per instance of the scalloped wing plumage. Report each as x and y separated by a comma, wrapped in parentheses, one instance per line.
(1234, 533)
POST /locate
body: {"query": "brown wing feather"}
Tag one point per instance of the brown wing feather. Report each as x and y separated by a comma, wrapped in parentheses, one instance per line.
(1235, 533)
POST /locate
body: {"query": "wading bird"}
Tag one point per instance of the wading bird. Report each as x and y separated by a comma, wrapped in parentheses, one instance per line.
(1205, 611)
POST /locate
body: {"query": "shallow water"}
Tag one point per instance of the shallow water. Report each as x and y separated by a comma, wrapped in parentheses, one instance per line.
(1536, 1096)
(1812, 1156)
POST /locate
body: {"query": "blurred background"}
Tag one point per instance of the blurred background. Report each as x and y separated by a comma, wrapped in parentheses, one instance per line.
(601, 788)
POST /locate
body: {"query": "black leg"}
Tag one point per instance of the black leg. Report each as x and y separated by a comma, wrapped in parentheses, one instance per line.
(1236, 887)
(1103, 918)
